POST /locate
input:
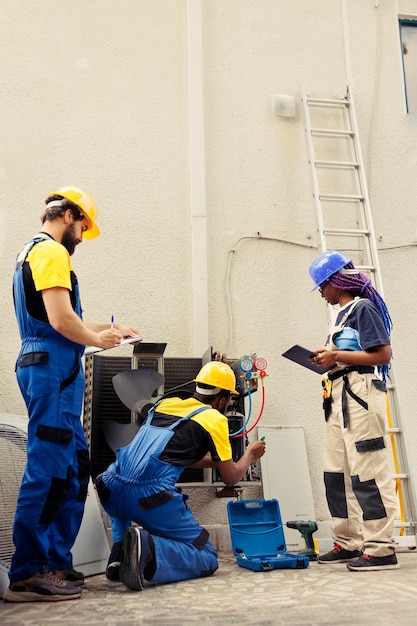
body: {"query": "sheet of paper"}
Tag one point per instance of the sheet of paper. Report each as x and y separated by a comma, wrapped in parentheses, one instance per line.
(94, 349)
(301, 355)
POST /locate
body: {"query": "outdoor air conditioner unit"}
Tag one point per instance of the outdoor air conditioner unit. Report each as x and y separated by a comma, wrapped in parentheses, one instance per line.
(91, 549)
(102, 404)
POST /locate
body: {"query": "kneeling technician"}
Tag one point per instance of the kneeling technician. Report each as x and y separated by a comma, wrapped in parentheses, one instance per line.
(140, 485)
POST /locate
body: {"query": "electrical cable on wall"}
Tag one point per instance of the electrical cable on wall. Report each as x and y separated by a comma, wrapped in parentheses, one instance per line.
(260, 237)
(232, 252)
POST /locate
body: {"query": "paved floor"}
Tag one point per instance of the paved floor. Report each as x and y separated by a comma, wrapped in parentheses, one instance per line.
(321, 595)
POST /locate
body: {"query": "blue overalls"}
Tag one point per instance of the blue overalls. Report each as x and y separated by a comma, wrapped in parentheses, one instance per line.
(139, 487)
(51, 500)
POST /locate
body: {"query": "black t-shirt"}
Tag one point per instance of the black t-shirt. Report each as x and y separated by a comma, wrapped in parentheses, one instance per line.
(206, 432)
(366, 319)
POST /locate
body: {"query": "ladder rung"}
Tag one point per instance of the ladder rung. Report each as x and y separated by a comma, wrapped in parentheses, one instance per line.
(365, 268)
(400, 476)
(327, 102)
(393, 430)
(328, 132)
(337, 164)
(343, 231)
(341, 196)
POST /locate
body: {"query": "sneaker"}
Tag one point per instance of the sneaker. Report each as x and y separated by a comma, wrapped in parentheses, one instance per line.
(366, 563)
(70, 576)
(113, 564)
(338, 555)
(136, 555)
(42, 587)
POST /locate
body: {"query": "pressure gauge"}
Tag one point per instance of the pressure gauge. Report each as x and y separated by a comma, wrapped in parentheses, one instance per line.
(246, 364)
(261, 363)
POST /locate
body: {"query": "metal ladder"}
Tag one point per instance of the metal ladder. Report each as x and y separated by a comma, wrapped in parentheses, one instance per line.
(344, 222)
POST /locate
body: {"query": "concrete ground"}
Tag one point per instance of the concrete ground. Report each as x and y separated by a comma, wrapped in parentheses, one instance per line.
(320, 595)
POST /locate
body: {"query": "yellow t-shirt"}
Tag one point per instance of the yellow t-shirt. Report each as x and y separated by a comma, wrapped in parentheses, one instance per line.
(46, 265)
(208, 431)
(50, 264)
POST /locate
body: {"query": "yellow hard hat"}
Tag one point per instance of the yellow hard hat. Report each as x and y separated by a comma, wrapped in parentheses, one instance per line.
(217, 374)
(86, 205)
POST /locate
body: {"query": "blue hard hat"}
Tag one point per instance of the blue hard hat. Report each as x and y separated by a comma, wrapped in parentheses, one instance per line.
(326, 265)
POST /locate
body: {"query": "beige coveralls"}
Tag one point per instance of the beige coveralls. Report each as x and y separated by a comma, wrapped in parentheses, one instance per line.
(359, 484)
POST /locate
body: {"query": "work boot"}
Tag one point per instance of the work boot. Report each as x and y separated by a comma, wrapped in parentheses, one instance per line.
(338, 555)
(367, 563)
(115, 558)
(137, 554)
(44, 586)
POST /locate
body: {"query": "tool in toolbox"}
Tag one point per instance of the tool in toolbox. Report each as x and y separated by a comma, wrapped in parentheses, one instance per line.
(306, 529)
(257, 536)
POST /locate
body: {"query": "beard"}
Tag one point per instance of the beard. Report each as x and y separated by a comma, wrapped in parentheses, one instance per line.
(69, 241)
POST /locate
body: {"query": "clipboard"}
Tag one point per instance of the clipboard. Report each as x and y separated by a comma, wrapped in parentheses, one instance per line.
(93, 349)
(301, 355)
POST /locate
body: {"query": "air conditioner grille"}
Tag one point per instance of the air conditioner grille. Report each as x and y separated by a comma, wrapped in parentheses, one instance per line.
(13, 456)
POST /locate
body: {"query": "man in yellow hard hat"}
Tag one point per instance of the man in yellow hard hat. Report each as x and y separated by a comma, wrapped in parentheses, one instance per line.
(50, 376)
(140, 486)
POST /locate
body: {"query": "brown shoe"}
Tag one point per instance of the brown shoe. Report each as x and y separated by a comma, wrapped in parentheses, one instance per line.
(42, 587)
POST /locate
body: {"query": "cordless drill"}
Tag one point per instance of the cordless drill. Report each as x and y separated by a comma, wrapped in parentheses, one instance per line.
(306, 529)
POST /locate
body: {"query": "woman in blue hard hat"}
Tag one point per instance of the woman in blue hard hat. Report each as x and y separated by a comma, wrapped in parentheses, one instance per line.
(359, 486)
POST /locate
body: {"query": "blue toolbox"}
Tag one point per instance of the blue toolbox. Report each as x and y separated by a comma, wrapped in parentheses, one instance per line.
(257, 536)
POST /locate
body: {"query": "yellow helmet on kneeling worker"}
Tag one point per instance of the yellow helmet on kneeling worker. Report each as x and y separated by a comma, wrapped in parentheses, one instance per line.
(218, 375)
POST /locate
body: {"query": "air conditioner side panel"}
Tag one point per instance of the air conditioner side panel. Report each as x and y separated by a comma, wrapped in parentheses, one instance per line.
(91, 549)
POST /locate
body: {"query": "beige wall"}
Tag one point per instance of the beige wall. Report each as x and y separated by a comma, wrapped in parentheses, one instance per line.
(96, 94)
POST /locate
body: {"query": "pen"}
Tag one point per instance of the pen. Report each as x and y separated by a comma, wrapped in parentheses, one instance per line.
(262, 438)
(112, 321)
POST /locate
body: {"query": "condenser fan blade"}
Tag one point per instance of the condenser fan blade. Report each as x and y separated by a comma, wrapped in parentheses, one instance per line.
(135, 387)
(119, 435)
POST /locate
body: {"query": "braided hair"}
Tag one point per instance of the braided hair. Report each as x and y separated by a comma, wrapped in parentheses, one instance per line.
(358, 284)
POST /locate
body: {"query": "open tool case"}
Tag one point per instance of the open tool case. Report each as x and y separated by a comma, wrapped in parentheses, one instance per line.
(257, 535)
